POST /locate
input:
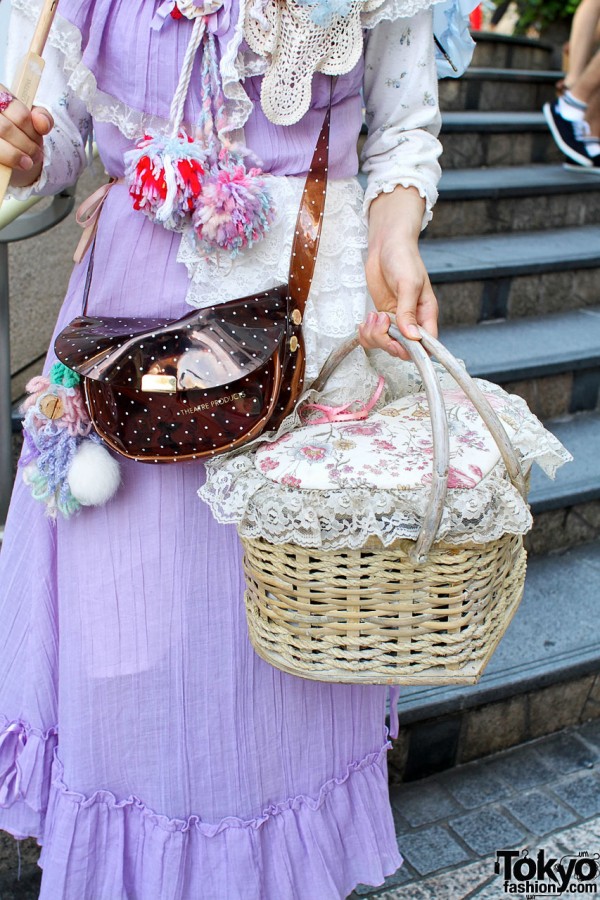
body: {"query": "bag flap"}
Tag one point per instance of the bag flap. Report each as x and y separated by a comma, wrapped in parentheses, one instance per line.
(208, 348)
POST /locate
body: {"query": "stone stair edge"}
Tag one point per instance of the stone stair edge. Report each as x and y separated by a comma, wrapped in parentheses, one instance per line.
(493, 73)
(514, 39)
(519, 253)
(527, 347)
(493, 121)
(499, 182)
(578, 481)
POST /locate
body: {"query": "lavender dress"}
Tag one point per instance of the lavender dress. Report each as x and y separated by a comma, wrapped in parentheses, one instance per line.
(143, 742)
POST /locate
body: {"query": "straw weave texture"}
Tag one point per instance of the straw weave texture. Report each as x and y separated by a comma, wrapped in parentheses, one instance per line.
(374, 616)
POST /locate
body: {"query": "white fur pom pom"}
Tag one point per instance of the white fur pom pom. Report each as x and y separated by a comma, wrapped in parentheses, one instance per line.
(93, 475)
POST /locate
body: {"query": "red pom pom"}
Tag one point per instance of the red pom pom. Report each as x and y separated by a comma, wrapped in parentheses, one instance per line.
(164, 175)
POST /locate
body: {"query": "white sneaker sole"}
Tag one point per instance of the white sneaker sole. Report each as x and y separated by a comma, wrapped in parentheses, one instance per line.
(585, 170)
(568, 151)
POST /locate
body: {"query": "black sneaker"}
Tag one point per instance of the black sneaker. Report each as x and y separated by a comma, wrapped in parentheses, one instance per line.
(569, 136)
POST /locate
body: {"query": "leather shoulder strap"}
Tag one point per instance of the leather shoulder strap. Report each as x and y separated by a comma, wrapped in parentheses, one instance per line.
(310, 218)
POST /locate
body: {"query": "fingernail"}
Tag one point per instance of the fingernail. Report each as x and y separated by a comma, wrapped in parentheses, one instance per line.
(413, 332)
(26, 163)
(371, 318)
(382, 318)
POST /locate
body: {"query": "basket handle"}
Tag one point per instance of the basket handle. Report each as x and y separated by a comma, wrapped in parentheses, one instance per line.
(439, 422)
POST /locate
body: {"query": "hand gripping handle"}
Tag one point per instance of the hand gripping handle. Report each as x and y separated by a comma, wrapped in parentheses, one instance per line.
(439, 422)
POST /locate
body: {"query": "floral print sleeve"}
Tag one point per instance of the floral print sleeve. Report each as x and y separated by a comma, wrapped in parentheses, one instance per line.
(403, 117)
(65, 146)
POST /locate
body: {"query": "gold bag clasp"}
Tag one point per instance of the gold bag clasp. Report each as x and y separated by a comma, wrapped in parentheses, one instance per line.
(159, 383)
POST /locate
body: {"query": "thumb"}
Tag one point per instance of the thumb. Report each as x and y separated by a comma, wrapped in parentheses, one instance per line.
(406, 313)
(42, 120)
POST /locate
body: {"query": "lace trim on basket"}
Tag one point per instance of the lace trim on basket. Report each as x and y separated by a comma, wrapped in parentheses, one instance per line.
(237, 492)
(209, 829)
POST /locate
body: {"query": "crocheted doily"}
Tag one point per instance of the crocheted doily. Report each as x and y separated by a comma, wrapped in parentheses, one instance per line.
(294, 46)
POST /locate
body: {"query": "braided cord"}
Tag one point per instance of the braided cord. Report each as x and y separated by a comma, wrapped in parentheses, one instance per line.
(178, 102)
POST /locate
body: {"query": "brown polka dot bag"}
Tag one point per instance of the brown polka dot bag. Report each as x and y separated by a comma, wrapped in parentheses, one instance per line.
(207, 383)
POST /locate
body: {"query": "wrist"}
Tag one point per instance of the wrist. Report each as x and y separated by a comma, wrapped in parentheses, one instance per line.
(397, 215)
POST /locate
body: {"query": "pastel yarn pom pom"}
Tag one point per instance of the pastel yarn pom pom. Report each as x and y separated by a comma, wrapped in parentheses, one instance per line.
(57, 435)
(93, 475)
(234, 210)
(61, 374)
(164, 175)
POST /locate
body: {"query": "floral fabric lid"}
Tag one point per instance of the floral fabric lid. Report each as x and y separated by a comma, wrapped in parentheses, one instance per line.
(391, 450)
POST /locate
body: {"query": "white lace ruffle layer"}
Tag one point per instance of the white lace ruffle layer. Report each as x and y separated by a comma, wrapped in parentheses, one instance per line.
(237, 492)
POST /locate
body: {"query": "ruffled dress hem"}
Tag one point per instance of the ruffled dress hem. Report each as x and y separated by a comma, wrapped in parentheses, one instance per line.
(149, 854)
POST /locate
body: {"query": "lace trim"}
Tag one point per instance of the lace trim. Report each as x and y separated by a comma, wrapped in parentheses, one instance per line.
(66, 38)
(294, 47)
(395, 9)
(238, 493)
(211, 829)
(233, 70)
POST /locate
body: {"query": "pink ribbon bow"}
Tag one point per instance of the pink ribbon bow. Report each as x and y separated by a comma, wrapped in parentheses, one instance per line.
(87, 217)
(339, 413)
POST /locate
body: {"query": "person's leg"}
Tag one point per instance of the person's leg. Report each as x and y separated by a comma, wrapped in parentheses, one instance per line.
(582, 39)
(588, 84)
(593, 114)
(572, 116)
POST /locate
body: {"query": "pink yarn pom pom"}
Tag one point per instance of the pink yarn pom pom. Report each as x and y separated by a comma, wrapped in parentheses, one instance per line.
(164, 175)
(75, 416)
(234, 210)
(35, 388)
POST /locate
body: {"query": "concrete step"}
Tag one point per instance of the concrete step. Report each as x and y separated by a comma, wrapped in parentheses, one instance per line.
(553, 362)
(486, 88)
(513, 275)
(567, 511)
(506, 52)
(521, 695)
(473, 139)
(514, 198)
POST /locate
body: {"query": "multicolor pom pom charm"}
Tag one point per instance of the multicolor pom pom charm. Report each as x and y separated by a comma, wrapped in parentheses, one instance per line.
(164, 171)
(164, 178)
(234, 210)
(200, 182)
(64, 461)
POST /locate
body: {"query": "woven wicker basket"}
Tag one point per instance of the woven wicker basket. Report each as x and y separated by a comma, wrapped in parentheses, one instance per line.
(419, 612)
